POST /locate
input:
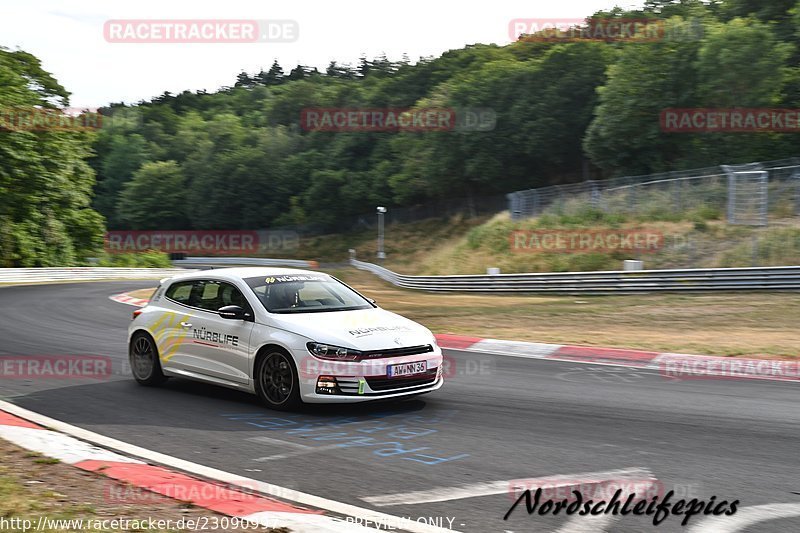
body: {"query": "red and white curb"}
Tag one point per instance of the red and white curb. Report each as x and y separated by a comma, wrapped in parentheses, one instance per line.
(301, 513)
(671, 365)
(124, 298)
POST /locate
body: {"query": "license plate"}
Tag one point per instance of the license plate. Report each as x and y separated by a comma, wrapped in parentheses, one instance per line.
(406, 369)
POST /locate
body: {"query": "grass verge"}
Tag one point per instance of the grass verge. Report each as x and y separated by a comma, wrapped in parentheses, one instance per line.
(33, 486)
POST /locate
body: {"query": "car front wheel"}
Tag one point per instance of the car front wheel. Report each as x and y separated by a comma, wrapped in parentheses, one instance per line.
(276, 381)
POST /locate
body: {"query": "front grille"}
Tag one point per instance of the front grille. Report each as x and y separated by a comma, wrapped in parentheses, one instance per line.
(382, 383)
(397, 352)
(349, 385)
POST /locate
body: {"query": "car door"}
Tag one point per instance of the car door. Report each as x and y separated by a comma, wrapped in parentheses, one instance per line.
(218, 347)
(171, 330)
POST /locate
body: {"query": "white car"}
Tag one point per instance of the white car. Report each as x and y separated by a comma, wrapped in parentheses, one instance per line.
(289, 336)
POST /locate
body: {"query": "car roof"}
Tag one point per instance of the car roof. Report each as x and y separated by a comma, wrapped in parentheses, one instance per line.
(235, 273)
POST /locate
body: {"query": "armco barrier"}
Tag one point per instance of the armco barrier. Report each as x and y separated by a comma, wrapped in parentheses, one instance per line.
(42, 275)
(222, 262)
(701, 279)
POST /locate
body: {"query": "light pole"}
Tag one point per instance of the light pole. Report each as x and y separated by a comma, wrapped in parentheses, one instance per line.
(381, 253)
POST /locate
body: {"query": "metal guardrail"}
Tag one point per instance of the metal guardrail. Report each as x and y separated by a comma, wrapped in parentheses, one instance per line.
(42, 275)
(45, 275)
(701, 279)
(224, 262)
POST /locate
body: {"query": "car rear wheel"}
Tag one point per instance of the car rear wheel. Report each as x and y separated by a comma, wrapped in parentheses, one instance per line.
(144, 360)
(276, 381)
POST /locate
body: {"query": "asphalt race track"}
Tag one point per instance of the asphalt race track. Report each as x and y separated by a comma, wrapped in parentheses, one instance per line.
(497, 419)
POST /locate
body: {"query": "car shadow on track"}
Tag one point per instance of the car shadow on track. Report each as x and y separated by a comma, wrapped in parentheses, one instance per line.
(180, 403)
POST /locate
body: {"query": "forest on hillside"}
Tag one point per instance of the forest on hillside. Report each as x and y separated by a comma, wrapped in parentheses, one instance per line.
(238, 158)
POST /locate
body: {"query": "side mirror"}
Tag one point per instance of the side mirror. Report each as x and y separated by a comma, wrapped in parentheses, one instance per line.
(233, 312)
(370, 300)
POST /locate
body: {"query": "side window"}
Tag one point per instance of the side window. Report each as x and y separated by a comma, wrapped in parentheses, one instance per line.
(216, 294)
(180, 292)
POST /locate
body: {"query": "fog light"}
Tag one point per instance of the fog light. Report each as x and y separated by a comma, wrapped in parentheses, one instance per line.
(327, 385)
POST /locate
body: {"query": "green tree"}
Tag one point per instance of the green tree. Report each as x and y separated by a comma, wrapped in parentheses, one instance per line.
(298, 73)
(274, 76)
(45, 181)
(122, 157)
(345, 72)
(155, 198)
(243, 79)
(646, 78)
(741, 64)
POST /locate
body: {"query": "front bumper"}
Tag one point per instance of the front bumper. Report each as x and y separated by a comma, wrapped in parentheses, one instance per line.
(367, 380)
(369, 395)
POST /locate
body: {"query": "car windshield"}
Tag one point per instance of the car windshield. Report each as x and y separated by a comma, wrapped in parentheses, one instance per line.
(305, 293)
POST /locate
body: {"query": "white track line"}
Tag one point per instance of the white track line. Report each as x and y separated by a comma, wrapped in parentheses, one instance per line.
(279, 442)
(300, 449)
(248, 484)
(746, 517)
(297, 453)
(490, 488)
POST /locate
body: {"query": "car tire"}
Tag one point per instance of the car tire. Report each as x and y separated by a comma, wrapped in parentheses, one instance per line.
(276, 381)
(144, 360)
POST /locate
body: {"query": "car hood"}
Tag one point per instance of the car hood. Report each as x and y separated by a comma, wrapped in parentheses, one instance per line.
(365, 329)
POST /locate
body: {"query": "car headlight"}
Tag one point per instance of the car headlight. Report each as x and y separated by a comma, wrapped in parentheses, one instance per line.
(333, 353)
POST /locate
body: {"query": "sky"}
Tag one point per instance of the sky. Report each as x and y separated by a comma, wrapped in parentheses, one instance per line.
(69, 37)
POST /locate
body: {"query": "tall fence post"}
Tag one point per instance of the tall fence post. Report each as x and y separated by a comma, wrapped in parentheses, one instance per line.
(514, 205)
(632, 198)
(595, 196)
(731, 198)
(748, 193)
